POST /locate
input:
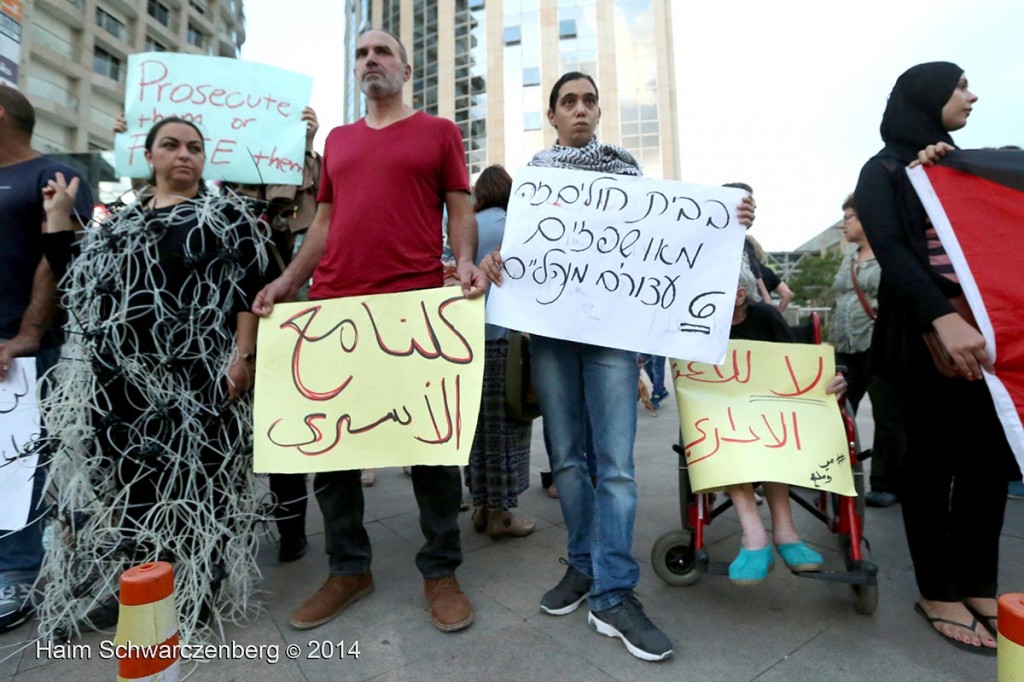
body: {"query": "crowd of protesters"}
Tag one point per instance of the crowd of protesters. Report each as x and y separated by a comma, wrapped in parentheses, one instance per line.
(149, 406)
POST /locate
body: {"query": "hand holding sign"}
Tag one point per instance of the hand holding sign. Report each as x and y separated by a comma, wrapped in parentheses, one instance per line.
(370, 381)
(619, 261)
(764, 415)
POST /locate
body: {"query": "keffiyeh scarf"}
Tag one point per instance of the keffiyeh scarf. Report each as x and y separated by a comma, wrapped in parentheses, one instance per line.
(597, 157)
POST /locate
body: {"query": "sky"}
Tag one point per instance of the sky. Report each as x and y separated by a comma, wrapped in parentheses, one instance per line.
(786, 96)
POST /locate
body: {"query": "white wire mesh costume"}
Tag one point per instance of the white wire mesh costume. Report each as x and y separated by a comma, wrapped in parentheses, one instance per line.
(149, 459)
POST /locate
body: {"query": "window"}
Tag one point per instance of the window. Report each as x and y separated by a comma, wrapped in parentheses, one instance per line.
(513, 35)
(196, 37)
(567, 28)
(109, 23)
(476, 4)
(531, 120)
(159, 12)
(106, 64)
(197, 6)
(531, 76)
(154, 45)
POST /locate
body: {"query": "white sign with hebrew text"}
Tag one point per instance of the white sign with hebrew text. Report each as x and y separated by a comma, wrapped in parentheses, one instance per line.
(619, 261)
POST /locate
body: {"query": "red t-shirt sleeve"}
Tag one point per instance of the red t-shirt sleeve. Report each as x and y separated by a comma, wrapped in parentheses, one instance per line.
(325, 193)
(456, 178)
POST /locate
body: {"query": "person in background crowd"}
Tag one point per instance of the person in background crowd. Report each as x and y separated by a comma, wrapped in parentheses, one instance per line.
(28, 305)
(499, 462)
(853, 320)
(654, 365)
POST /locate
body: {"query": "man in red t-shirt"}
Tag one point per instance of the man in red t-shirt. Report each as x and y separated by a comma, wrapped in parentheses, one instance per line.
(385, 184)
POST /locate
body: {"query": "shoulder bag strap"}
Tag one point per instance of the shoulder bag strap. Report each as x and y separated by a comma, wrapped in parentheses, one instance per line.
(864, 303)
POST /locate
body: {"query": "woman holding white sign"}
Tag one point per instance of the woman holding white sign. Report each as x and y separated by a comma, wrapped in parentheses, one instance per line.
(581, 383)
(149, 423)
(958, 461)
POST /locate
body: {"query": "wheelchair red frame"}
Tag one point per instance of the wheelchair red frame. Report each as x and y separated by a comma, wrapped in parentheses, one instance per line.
(680, 557)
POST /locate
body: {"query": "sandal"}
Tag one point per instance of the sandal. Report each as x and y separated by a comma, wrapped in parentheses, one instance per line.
(981, 649)
(987, 622)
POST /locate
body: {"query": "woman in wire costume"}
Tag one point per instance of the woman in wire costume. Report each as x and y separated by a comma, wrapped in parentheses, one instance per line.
(149, 423)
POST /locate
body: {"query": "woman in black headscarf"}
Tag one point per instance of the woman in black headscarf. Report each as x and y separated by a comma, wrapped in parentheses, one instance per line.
(958, 460)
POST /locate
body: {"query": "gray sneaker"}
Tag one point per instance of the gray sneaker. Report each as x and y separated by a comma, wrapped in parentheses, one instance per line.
(568, 594)
(15, 603)
(627, 621)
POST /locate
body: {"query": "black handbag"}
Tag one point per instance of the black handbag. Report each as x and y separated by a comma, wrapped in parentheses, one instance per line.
(521, 403)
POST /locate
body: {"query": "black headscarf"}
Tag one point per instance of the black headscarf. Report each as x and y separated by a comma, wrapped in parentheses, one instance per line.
(913, 115)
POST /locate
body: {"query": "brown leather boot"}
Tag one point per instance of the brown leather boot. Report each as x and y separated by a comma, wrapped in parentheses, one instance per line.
(449, 607)
(331, 599)
(502, 524)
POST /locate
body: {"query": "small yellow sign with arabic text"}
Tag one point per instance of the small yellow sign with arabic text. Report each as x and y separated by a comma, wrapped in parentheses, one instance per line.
(763, 415)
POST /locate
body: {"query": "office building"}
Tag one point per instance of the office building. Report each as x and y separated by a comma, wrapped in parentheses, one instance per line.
(489, 66)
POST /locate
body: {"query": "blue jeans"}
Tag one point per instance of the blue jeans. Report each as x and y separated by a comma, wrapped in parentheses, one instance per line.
(654, 365)
(577, 382)
(22, 550)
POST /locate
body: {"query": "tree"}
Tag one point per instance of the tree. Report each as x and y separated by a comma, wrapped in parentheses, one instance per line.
(812, 280)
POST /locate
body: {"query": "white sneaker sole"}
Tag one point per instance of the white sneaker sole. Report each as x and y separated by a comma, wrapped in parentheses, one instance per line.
(609, 631)
(565, 610)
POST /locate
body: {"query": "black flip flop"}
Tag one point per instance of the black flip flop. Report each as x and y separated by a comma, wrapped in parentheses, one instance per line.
(986, 621)
(981, 649)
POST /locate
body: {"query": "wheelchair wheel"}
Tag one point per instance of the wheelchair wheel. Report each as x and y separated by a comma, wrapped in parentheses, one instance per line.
(674, 559)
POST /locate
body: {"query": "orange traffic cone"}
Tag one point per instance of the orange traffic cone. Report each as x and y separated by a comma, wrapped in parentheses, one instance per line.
(1011, 638)
(147, 627)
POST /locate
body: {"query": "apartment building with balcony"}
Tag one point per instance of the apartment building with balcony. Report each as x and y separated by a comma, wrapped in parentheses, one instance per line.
(74, 56)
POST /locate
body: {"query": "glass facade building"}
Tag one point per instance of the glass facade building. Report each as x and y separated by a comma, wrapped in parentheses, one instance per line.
(489, 66)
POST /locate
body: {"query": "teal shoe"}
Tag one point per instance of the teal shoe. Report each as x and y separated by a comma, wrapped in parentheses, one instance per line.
(799, 557)
(751, 566)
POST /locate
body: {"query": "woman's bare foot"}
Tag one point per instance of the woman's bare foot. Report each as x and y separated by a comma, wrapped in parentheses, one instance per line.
(956, 612)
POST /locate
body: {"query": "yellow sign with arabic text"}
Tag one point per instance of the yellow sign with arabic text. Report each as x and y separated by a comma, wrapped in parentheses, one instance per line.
(763, 415)
(368, 381)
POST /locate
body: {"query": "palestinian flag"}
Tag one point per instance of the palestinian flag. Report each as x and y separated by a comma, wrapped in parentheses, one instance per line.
(975, 200)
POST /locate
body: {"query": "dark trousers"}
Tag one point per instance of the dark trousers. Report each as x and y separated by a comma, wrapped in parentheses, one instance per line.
(889, 445)
(438, 491)
(290, 492)
(954, 488)
(889, 448)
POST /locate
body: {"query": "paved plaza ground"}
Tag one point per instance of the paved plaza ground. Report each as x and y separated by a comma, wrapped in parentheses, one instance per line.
(787, 629)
